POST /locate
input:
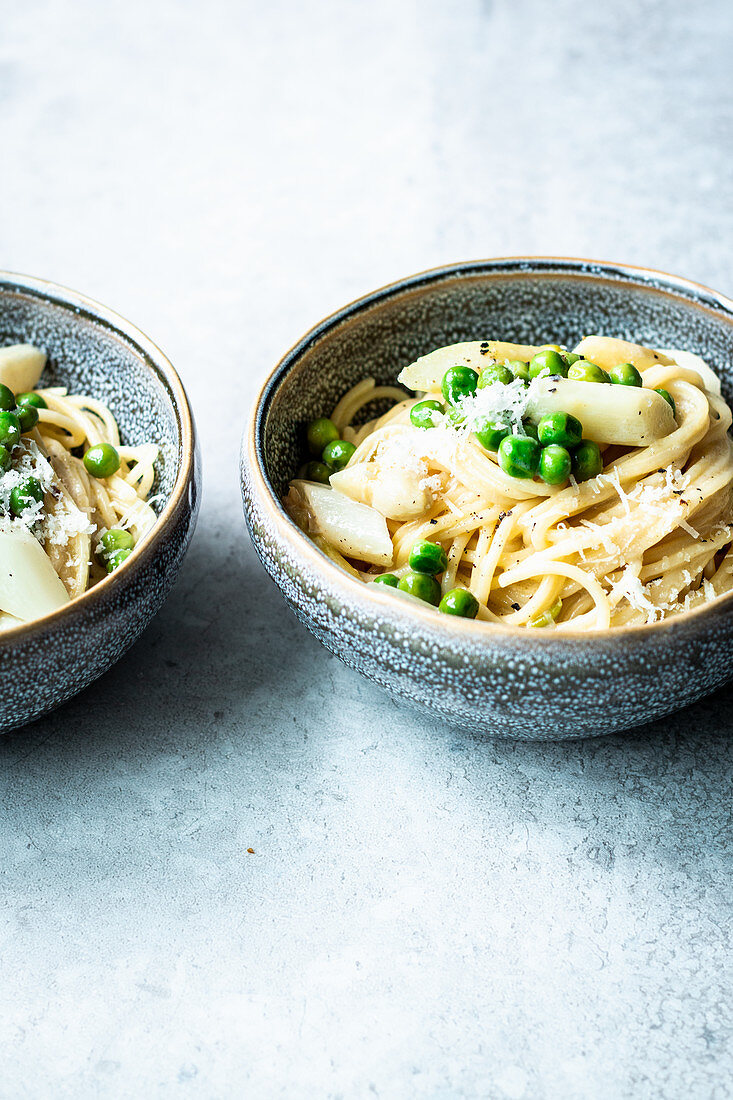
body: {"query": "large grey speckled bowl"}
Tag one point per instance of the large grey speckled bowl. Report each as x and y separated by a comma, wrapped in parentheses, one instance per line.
(92, 350)
(496, 680)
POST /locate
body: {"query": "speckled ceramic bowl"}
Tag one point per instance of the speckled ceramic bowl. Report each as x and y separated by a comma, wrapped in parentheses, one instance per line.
(496, 680)
(92, 350)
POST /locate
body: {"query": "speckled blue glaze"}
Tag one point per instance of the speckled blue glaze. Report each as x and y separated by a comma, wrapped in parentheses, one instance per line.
(498, 680)
(92, 350)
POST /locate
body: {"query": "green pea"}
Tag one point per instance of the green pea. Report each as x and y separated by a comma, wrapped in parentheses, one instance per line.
(116, 539)
(386, 578)
(102, 460)
(519, 369)
(459, 382)
(544, 618)
(583, 371)
(625, 374)
(115, 560)
(318, 471)
(570, 357)
(555, 464)
(25, 495)
(519, 456)
(421, 585)
(547, 363)
(320, 433)
(5, 459)
(587, 461)
(455, 417)
(530, 429)
(495, 372)
(337, 453)
(560, 427)
(34, 399)
(669, 399)
(459, 601)
(28, 417)
(490, 433)
(427, 557)
(426, 414)
(9, 429)
(7, 398)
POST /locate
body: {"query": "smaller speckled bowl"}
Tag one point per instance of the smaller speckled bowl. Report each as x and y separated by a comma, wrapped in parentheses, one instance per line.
(91, 350)
(498, 680)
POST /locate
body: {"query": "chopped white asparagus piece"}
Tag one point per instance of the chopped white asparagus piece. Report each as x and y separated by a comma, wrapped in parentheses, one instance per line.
(21, 366)
(397, 494)
(427, 372)
(355, 529)
(499, 351)
(626, 415)
(29, 584)
(709, 378)
(608, 352)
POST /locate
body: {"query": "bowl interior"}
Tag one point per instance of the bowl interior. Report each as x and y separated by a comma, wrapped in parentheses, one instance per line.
(525, 302)
(89, 355)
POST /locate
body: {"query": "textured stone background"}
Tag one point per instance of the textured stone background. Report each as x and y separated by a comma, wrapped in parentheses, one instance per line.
(426, 913)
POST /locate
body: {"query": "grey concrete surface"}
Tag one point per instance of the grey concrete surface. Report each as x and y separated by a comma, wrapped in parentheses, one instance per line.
(425, 913)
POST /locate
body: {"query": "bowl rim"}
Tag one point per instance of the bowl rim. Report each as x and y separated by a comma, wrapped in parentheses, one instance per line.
(349, 589)
(158, 363)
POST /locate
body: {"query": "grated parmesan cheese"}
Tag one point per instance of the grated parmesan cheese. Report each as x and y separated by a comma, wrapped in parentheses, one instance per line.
(613, 478)
(56, 528)
(630, 588)
(603, 533)
(503, 402)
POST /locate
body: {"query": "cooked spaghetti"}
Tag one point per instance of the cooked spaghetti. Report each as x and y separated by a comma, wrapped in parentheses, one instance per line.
(74, 501)
(532, 486)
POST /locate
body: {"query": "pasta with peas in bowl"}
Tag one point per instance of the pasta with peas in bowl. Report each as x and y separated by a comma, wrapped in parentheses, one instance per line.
(530, 485)
(467, 567)
(73, 499)
(99, 490)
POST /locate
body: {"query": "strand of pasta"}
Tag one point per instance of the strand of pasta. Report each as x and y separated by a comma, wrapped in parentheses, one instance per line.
(360, 395)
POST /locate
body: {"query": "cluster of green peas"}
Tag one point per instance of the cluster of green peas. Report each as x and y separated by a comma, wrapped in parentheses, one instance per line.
(427, 560)
(19, 414)
(114, 547)
(332, 451)
(555, 448)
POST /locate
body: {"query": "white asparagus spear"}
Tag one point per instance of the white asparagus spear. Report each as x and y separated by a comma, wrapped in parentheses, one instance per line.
(687, 359)
(355, 529)
(397, 494)
(21, 366)
(29, 584)
(627, 415)
(608, 352)
(427, 372)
